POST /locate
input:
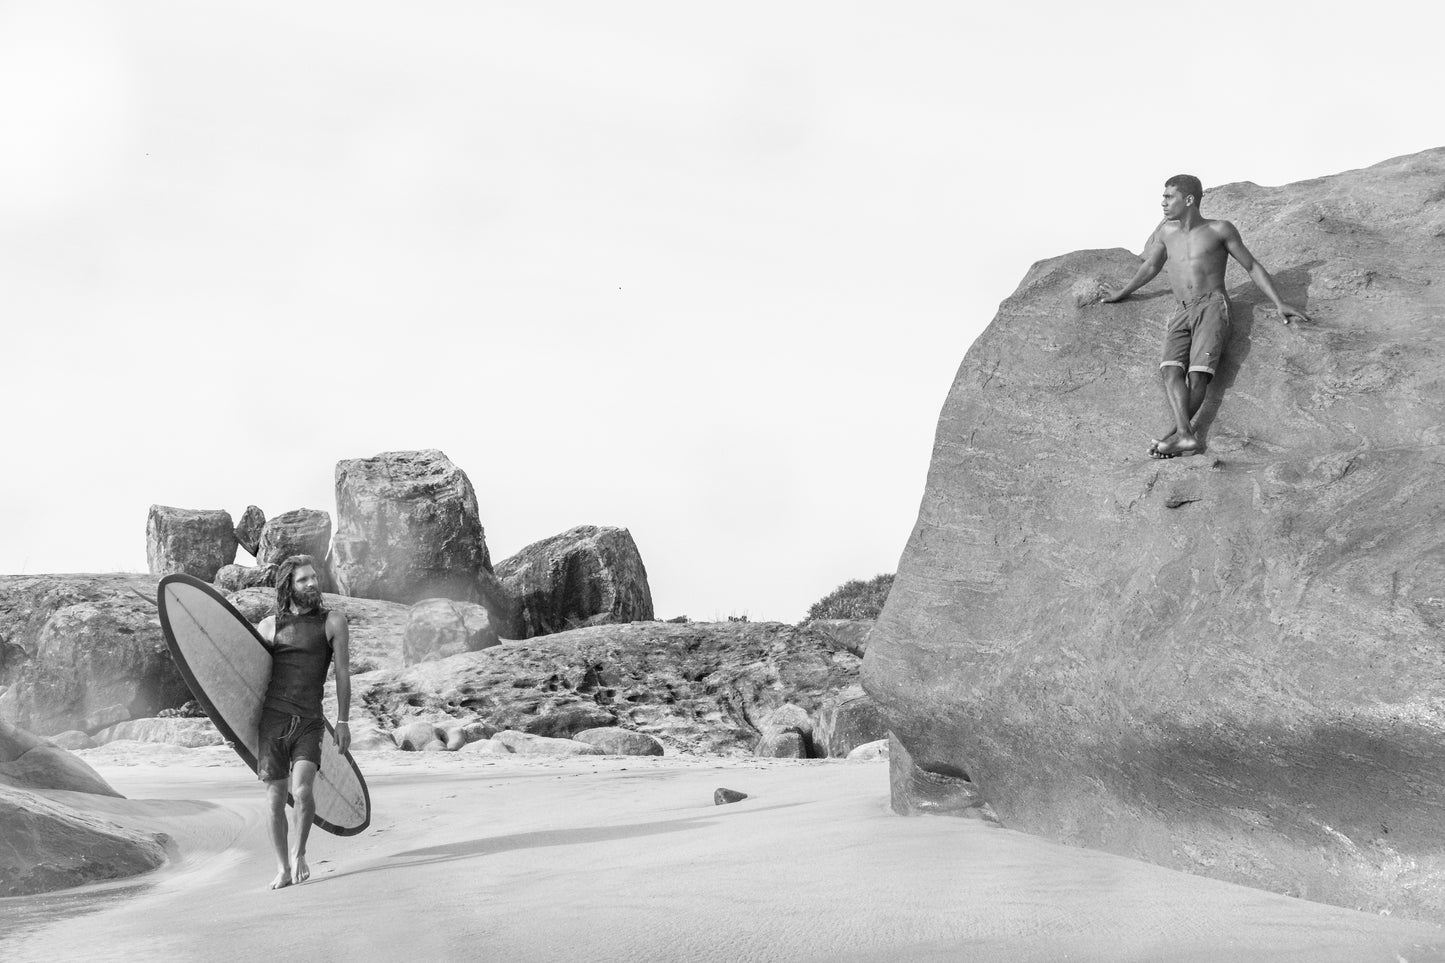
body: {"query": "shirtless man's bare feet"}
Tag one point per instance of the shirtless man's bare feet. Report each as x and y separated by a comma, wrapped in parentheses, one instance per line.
(300, 870)
(1175, 447)
(282, 880)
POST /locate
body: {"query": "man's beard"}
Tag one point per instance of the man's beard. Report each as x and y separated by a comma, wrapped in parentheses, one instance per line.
(306, 599)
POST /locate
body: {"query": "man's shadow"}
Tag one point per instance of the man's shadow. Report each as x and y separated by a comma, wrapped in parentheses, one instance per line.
(1247, 305)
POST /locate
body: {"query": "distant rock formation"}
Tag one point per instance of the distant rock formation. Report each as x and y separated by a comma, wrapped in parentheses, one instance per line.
(1228, 664)
(437, 628)
(588, 575)
(194, 541)
(699, 687)
(302, 531)
(847, 720)
(249, 528)
(49, 844)
(234, 578)
(407, 529)
(82, 652)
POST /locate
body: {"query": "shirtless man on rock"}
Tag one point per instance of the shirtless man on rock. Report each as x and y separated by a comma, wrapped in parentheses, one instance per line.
(1197, 251)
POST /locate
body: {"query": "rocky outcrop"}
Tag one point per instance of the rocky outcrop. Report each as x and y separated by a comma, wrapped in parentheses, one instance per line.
(588, 575)
(621, 742)
(46, 844)
(787, 733)
(194, 541)
(29, 762)
(699, 687)
(302, 531)
(50, 845)
(407, 529)
(249, 528)
(437, 628)
(1226, 664)
(848, 634)
(186, 733)
(377, 629)
(848, 719)
(527, 744)
(82, 652)
(234, 578)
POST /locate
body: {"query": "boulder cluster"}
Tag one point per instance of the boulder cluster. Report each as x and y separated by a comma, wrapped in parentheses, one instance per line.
(555, 649)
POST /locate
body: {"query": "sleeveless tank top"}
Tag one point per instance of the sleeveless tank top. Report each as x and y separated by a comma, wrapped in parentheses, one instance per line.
(300, 656)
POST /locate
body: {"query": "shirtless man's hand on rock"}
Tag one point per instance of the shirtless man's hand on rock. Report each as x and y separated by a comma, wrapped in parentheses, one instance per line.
(1288, 311)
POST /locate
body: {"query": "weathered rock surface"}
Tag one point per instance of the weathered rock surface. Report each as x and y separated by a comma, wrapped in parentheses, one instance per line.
(29, 762)
(527, 744)
(849, 634)
(1227, 664)
(418, 737)
(302, 531)
(869, 752)
(408, 529)
(45, 844)
(49, 845)
(82, 652)
(722, 796)
(565, 721)
(249, 528)
(194, 541)
(234, 578)
(621, 742)
(437, 628)
(588, 575)
(72, 739)
(378, 629)
(847, 720)
(699, 687)
(787, 733)
(186, 733)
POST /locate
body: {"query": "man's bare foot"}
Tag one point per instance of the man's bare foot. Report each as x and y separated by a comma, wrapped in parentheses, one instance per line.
(1154, 443)
(1173, 448)
(283, 879)
(300, 870)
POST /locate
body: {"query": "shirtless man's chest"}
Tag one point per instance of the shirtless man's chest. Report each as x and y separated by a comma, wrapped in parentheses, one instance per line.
(1197, 259)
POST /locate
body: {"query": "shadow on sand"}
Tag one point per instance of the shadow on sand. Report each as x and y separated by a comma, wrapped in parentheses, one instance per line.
(539, 839)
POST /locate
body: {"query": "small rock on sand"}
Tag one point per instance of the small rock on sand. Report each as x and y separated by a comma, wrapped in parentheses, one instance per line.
(721, 797)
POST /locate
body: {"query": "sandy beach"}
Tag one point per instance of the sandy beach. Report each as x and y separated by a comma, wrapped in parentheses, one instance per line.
(612, 858)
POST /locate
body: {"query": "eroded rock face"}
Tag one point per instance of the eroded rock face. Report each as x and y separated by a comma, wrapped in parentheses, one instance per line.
(846, 721)
(1227, 664)
(408, 529)
(303, 531)
(249, 528)
(29, 762)
(50, 845)
(234, 578)
(588, 575)
(437, 628)
(699, 687)
(194, 541)
(378, 629)
(82, 652)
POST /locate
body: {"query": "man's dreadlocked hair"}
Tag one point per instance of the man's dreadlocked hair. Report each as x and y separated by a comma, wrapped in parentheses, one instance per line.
(284, 571)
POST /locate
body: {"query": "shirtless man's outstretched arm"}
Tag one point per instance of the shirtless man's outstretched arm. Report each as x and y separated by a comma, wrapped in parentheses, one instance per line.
(1234, 244)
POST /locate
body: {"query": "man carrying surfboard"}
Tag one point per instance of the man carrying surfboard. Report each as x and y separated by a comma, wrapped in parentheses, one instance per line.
(303, 638)
(1197, 251)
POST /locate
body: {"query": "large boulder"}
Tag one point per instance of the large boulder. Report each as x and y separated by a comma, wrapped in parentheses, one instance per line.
(302, 531)
(249, 528)
(787, 733)
(377, 629)
(234, 578)
(699, 687)
(82, 652)
(194, 541)
(620, 742)
(1225, 664)
(29, 762)
(50, 845)
(437, 628)
(847, 720)
(407, 529)
(588, 575)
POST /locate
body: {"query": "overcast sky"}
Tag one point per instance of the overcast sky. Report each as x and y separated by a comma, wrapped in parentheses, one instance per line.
(704, 271)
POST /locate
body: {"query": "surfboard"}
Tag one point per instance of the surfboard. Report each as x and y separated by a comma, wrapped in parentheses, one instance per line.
(227, 666)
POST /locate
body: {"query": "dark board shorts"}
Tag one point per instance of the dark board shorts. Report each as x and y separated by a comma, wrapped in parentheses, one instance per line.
(283, 740)
(1196, 335)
